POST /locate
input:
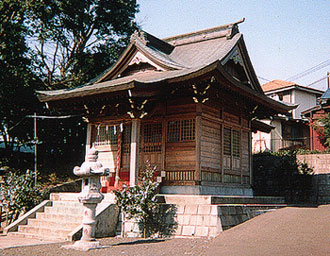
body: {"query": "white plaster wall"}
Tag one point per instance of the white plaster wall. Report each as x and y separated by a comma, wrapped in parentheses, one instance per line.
(305, 100)
(261, 141)
(276, 135)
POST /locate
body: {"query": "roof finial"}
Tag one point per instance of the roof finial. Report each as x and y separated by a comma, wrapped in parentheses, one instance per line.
(139, 35)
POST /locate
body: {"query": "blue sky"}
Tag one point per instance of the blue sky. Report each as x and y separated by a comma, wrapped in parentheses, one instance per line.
(284, 38)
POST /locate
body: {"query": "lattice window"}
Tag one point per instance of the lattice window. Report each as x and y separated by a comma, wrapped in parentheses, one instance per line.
(126, 144)
(227, 141)
(236, 143)
(173, 131)
(152, 137)
(105, 135)
(101, 137)
(188, 129)
(181, 130)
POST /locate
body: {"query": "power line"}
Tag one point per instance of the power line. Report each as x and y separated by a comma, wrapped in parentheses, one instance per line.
(319, 80)
(264, 78)
(310, 70)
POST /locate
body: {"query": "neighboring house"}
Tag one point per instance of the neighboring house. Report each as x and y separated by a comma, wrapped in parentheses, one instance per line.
(290, 130)
(315, 126)
(186, 103)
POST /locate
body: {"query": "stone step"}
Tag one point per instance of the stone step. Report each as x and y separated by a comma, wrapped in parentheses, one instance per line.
(73, 197)
(64, 197)
(64, 210)
(67, 204)
(52, 224)
(47, 232)
(58, 217)
(40, 237)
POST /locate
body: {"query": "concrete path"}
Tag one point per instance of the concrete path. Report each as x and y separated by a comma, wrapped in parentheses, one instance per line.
(289, 231)
(13, 241)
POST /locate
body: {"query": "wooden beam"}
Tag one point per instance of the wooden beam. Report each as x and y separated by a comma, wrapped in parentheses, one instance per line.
(134, 158)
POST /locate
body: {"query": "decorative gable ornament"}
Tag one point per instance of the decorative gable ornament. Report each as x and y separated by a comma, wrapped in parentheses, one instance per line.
(141, 58)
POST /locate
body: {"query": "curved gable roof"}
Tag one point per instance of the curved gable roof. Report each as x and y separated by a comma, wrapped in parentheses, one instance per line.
(182, 57)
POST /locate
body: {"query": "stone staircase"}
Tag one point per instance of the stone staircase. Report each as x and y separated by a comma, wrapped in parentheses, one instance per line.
(60, 219)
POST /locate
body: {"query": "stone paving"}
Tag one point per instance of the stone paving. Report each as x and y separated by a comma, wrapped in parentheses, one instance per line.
(13, 241)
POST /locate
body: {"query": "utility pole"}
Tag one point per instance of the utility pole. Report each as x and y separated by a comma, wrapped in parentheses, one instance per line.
(328, 76)
(35, 149)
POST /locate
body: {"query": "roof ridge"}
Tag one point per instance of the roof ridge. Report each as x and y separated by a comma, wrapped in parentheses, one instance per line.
(151, 40)
(231, 26)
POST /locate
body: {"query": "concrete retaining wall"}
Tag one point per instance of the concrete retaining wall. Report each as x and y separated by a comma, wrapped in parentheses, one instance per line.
(319, 162)
(321, 180)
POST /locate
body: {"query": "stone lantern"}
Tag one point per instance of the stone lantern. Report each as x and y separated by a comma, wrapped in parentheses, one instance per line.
(90, 196)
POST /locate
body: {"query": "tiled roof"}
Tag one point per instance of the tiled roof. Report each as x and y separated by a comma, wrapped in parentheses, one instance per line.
(326, 95)
(182, 57)
(280, 85)
(276, 84)
(203, 52)
(181, 54)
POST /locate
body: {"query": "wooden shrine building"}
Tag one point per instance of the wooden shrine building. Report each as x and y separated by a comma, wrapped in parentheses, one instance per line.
(186, 103)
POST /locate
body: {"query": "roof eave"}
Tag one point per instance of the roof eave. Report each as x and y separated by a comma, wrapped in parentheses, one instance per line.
(46, 97)
(291, 87)
(118, 65)
(257, 96)
(257, 125)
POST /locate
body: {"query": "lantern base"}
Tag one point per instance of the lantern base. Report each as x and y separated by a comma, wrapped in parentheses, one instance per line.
(84, 245)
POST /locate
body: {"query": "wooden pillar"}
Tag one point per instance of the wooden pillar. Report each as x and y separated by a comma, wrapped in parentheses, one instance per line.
(164, 129)
(250, 156)
(134, 158)
(311, 135)
(198, 138)
(88, 138)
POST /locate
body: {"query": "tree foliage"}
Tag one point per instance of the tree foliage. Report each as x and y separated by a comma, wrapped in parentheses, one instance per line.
(51, 44)
(17, 82)
(74, 40)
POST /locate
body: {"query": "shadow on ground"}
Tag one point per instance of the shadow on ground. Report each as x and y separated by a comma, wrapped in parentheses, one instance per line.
(144, 241)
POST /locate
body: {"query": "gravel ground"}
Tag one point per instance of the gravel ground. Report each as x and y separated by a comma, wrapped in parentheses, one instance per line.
(120, 246)
(289, 231)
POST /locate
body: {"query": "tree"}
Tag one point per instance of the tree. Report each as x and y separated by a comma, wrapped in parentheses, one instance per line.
(75, 40)
(16, 79)
(51, 44)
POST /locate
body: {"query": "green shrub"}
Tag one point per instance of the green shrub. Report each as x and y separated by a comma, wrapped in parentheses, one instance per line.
(140, 201)
(19, 194)
(281, 174)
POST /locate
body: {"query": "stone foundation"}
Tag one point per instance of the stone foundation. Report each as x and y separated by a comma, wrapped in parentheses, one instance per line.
(225, 190)
(198, 216)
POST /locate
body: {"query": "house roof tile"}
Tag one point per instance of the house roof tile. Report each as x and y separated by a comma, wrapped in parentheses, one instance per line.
(275, 85)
